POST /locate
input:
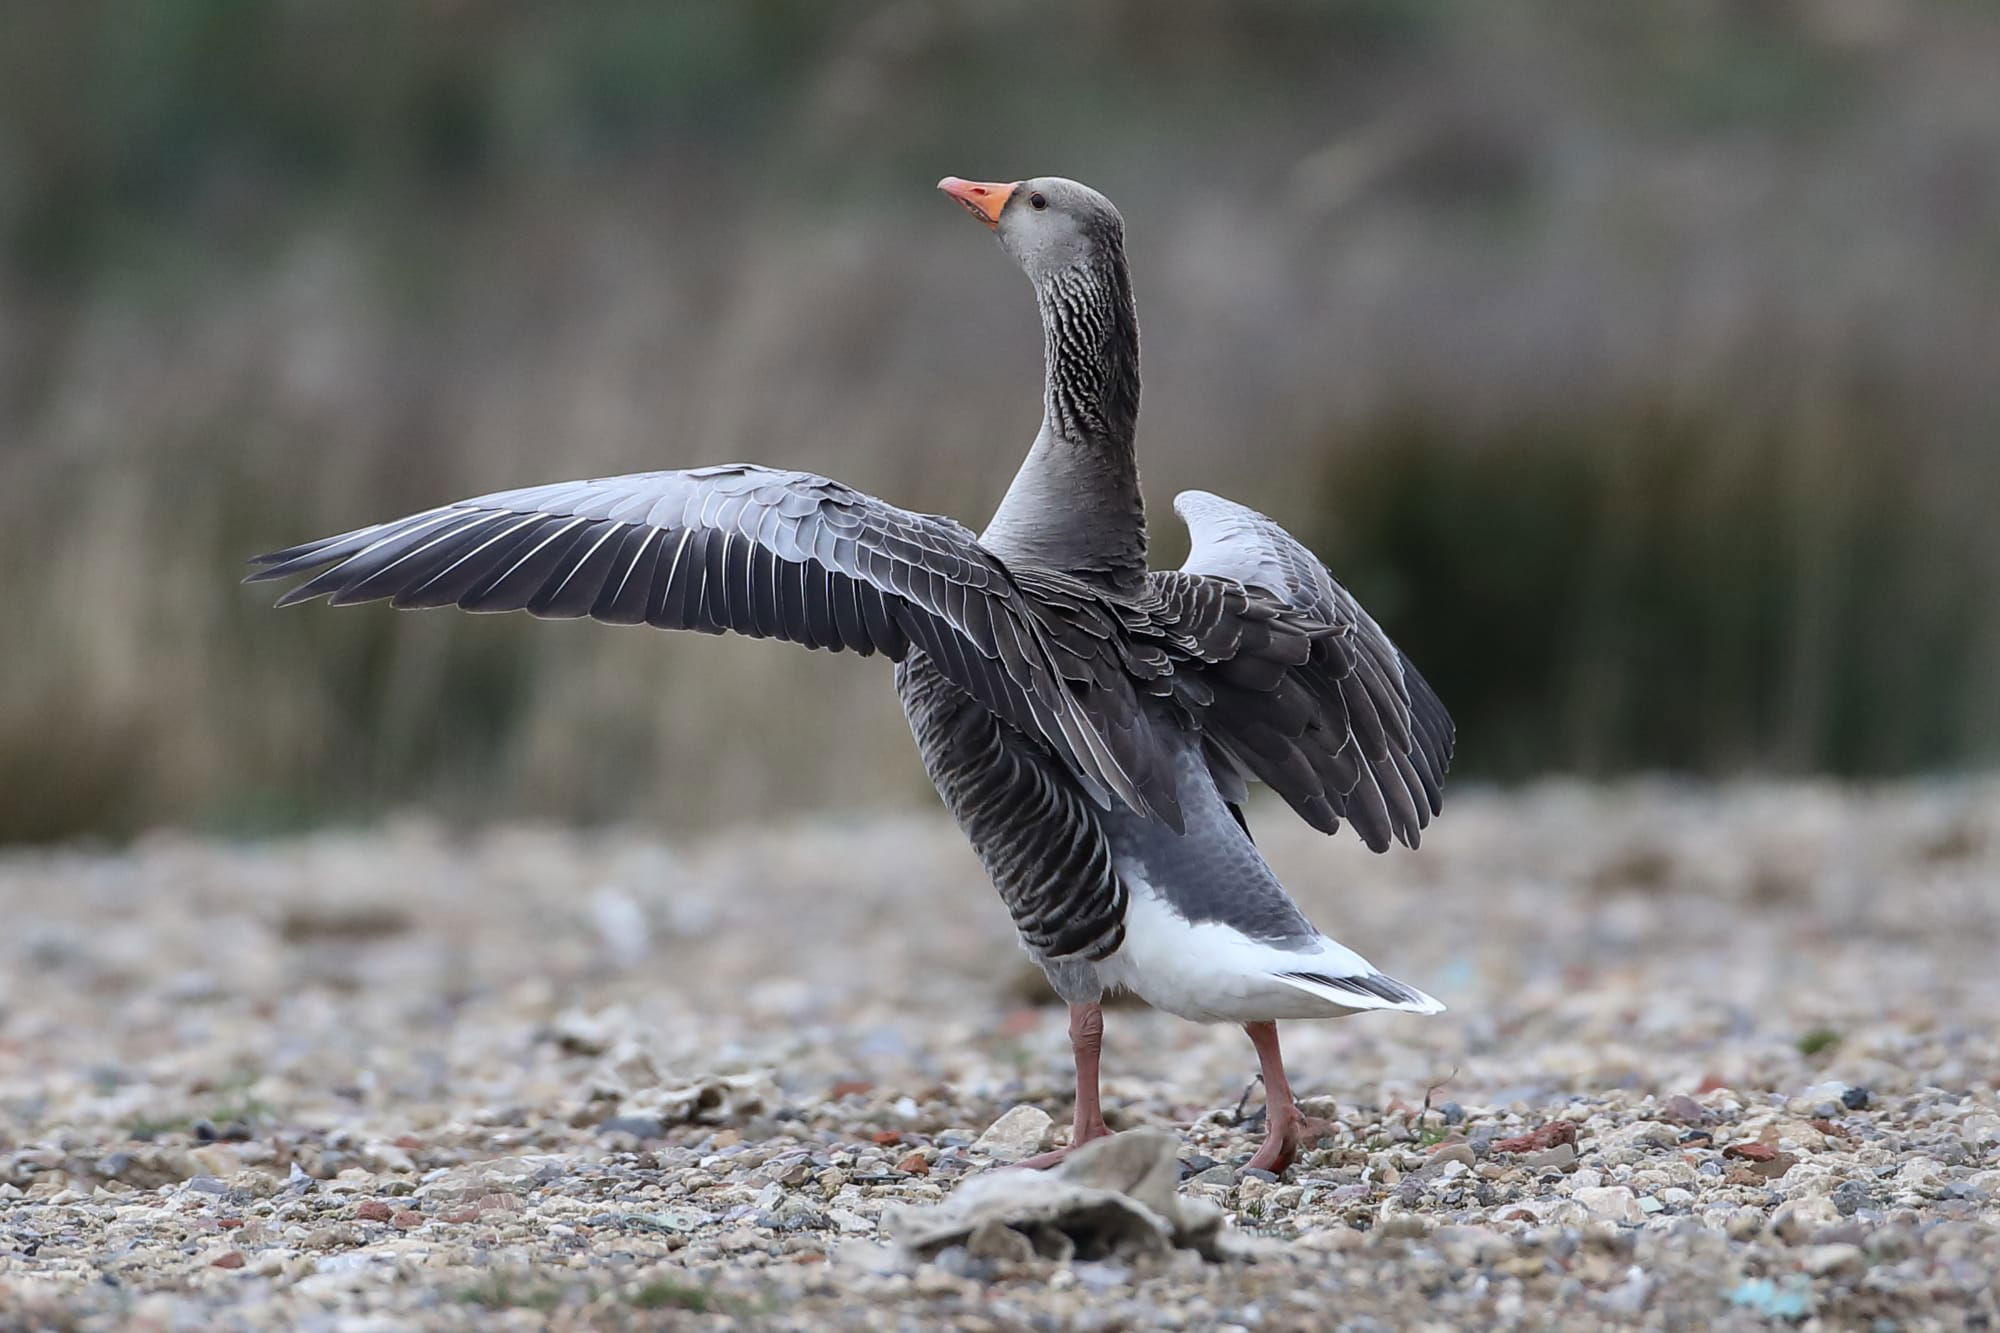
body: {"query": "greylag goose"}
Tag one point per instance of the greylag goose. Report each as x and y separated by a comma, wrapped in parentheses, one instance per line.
(1093, 725)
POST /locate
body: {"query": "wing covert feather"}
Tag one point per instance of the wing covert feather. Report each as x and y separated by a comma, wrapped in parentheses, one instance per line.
(772, 554)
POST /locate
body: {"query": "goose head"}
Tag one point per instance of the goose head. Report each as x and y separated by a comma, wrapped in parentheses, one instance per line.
(1049, 225)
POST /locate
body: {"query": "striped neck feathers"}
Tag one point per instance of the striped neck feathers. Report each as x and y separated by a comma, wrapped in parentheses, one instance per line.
(1090, 348)
(1075, 505)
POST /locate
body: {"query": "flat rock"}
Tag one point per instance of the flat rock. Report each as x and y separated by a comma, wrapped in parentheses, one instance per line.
(1021, 1132)
(1613, 1203)
(1112, 1198)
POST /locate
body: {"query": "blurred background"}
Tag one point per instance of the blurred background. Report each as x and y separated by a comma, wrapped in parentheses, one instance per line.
(1637, 364)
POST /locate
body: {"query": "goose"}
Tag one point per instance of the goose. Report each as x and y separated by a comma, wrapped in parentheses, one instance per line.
(1093, 725)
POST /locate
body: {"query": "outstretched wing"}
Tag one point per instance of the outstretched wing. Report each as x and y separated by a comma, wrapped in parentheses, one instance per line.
(771, 554)
(1338, 722)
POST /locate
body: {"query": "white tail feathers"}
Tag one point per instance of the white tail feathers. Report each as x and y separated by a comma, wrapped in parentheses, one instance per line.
(1368, 991)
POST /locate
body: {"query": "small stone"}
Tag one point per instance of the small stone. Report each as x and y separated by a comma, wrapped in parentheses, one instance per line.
(1834, 1260)
(1098, 1277)
(1819, 1099)
(1614, 1203)
(1855, 1099)
(215, 1160)
(1684, 1110)
(914, 1165)
(1562, 1157)
(1743, 1224)
(1021, 1132)
(1797, 1219)
(1258, 1173)
(1542, 1136)
(995, 1240)
(460, 1215)
(1757, 1173)
(1452, 1112)
(1455, 1152)
(403, 1219)
(1216, 1175)
(1981, 1129)
(228, 1259)
(372, 1210)
(638, 1126)
(848, 1221)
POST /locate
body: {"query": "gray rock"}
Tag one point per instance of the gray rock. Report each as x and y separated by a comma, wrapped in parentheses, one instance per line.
(994, 1239)
(638, 1126)
(1613, 1203)
(1099, 1278)
(1837, 1260)
(1453, 1153)
(1562, 1157)
(1022, 1132)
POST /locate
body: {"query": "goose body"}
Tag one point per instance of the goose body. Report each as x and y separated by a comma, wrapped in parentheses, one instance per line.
(1092, 724)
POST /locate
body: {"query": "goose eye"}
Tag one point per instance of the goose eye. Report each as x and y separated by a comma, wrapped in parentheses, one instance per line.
(1037, 201)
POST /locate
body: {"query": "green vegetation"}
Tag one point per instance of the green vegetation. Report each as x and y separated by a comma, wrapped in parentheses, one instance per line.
(233, 1107)
(1818, 1041)
(504, 1290)
(1645, 587)
(665, 1294)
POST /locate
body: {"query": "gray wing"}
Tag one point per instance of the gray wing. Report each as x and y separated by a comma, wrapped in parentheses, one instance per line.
(1343, 727)
(770, 554)
(1039, 838)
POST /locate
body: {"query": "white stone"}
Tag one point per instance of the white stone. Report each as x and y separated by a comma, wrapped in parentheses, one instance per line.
(1613, 1203)
(1021, 1132)
(1834, 1260)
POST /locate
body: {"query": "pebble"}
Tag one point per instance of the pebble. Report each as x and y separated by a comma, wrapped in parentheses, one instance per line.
(1022, 1132)
(1614, 1203)
(574, 1131)
(1834, 1260)
(1450, 1153)
(1562, 1157)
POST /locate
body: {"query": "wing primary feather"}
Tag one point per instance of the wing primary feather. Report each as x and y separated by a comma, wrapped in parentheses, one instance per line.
(570, 595)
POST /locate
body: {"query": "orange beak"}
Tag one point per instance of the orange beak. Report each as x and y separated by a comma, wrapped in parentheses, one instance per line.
(983, 199)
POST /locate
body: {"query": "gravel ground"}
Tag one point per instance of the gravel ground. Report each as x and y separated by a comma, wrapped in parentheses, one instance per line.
(1717, 1056)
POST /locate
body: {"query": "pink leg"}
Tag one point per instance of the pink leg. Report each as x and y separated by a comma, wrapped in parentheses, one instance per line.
(1286, 1126)
(1086, 1039)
